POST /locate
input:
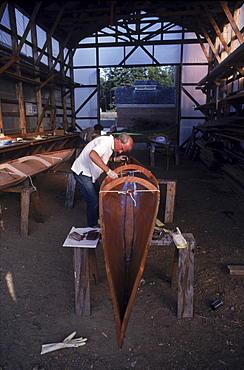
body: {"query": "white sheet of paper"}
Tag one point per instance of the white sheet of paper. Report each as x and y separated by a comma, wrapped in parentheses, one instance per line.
(70, 242)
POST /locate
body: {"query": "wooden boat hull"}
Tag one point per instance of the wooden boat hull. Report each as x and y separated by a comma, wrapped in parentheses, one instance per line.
(17, 170)
(128, 210)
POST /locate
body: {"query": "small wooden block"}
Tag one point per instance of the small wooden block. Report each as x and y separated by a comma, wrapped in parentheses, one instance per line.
(236, 269)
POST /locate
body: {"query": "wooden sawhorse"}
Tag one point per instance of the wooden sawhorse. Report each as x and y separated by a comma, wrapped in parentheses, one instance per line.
(85, 267)
(28, 194)
(183, 273)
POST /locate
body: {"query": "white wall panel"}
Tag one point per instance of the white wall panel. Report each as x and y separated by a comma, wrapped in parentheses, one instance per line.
(167, 54)
(86, 76)
(110, 56)
(85, 57)
(139, 56)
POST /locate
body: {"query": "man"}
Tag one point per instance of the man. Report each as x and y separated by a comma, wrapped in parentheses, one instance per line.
(90, 132)
(92, 162)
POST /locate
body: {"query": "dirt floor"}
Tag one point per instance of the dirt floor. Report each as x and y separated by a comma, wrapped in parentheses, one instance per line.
(37, 286)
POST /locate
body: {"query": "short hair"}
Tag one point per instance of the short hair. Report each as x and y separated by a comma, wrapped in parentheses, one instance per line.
(98, 127)
(124, 138)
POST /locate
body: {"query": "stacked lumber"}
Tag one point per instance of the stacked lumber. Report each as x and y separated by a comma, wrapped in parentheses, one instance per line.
(212, 157)
(226, 128)
(234, 177)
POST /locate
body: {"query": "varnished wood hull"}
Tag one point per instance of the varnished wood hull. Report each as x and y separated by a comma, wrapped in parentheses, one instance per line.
(128, 210)
(17, 170)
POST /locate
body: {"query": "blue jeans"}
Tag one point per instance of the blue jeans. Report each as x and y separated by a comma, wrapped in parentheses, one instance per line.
(90, 192)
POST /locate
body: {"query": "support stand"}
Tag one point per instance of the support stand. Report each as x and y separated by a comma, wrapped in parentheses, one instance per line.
(183, 274)
(28, 194)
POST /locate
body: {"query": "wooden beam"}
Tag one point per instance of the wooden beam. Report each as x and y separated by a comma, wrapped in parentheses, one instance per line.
(203, 48)
(186, 278)
(232, 21)
(37, 71)
(216, 27)
(23, 38)
(50, 78)
(50, 33)
(19, 87)
(63, 46)
(236, 269)
(2, 8)
(210, 43)
(40, 118)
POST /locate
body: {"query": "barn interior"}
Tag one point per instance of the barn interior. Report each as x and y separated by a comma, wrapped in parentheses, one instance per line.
(51, 57)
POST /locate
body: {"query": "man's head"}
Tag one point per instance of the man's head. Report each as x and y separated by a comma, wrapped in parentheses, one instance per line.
(123, 143)
(98, 128)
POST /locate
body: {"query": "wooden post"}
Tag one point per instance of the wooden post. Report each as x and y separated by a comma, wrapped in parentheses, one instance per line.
(28, 193)
(82, 281)
(93, 265)
(170, 199)
(70, 191)
(174, 280)
(25, 206)
(186, 278)
(16, 50)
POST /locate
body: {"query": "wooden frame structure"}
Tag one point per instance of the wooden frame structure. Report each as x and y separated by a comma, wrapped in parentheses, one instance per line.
(125, 24)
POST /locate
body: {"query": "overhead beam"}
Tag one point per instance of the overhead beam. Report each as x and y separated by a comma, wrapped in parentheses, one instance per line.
(23, 38)
(50, 34)
(216, 27)
(232, 21)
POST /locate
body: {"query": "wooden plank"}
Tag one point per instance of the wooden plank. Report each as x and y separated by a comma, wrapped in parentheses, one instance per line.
(170, 202)
(82, 282)
(232, 21)
(25, 206)
(236, 269)
(170, 199)
(186, 278)
(93, 265)
(34, 197)
(175, 272)
(70, 191)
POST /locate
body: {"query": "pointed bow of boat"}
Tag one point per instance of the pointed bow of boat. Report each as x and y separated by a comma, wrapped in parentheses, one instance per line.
(128, 210)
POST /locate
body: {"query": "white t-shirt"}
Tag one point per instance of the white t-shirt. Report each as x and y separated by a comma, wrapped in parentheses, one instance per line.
(104, 146)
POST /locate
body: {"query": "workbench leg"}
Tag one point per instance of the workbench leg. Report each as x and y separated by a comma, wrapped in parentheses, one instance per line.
(25, 205)
(93, 265)
(70, 191)
(174, 280)
(37, 206)
(82, 281)
(186, 280)
(170, 202)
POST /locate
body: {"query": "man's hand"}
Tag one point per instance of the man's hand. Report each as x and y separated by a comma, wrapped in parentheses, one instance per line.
(113, 175)
(121, 158)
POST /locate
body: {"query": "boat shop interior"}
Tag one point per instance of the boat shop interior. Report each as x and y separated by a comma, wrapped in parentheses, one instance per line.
(188, 307)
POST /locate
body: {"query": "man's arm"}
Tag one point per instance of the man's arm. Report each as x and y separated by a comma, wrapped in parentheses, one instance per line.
(98, 161)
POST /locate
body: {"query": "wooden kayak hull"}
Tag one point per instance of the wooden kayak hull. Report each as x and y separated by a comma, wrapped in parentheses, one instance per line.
(128, 210)
(17, 170)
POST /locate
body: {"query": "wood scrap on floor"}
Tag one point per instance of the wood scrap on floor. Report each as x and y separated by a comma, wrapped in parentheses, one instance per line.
(236, 269)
